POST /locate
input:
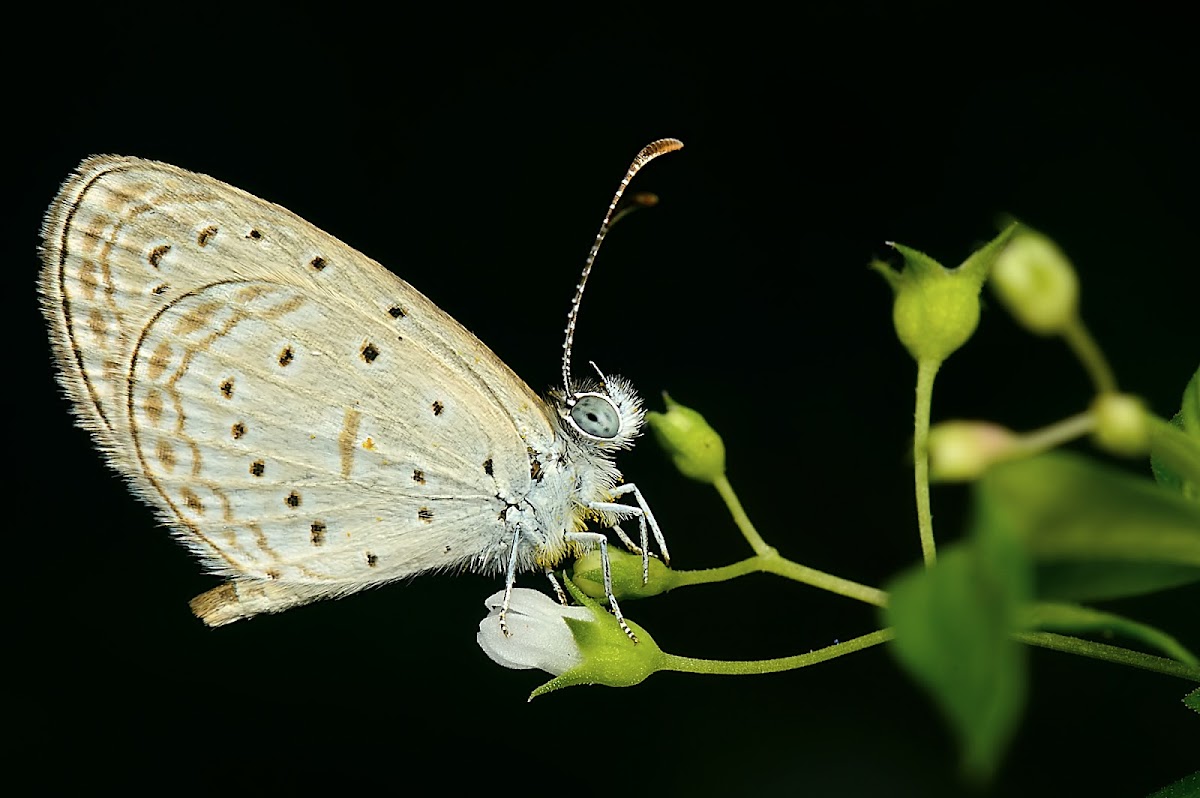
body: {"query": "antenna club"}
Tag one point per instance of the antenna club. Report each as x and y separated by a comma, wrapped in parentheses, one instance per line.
(657, 148)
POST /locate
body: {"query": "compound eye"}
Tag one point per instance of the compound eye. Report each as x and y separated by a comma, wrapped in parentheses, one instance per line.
(596, 416)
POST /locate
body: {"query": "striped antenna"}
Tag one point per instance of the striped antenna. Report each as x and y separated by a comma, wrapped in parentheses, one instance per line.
(648, 154)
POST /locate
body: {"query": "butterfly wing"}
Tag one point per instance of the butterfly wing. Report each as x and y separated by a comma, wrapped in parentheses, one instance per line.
(308, 423)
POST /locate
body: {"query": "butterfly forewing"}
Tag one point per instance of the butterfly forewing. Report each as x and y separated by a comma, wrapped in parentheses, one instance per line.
(296, 412)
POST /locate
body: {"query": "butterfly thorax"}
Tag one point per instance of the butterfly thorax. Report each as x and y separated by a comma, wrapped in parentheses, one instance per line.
(567, 478)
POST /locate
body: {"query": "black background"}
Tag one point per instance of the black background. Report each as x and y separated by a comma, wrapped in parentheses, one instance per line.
(477, 167)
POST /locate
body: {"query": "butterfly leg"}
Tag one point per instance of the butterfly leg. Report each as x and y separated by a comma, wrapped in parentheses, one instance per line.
(630, 487)
(510, 578)
(625, 539)
(596, 537)
(644, 517)
(616, 508)
(558, 591)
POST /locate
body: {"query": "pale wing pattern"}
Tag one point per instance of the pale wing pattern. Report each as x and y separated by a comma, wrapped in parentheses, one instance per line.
(191, 323)
(298, 447)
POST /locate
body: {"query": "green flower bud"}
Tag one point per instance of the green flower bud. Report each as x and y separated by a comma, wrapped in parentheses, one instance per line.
(588, 574)
(695, 448)
(1121, 424)
(962, 450)
(1037, 283)
(936, 309)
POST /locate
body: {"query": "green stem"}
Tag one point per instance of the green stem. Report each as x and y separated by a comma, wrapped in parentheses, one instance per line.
(1089, 354)
(674, 662)
(1055, 435)
(774, 564)
(834, 584)
(926, 371)
(1121, 656)
(705, 576)
(1061, 616)
(767, 560)
(739, 516)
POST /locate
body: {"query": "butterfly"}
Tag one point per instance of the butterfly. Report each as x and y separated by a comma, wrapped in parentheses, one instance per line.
(307, 423)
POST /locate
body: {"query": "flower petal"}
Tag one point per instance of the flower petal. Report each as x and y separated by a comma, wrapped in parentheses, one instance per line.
(540, 636)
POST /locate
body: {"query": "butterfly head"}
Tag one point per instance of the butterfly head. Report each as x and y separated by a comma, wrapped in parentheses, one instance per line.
(607, 413)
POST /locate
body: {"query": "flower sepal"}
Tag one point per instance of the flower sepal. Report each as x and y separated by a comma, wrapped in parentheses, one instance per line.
(610, 658)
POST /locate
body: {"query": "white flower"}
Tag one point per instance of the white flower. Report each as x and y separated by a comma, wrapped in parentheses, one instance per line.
(540, 636)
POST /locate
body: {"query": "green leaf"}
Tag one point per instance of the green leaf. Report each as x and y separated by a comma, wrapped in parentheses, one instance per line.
(953, 625)
(1074, 618)
(1093, 531)
(1175, 448)
(1097, 580)
(1187, 787)
(1192, 700)
(1163, 473)
(1190, 407)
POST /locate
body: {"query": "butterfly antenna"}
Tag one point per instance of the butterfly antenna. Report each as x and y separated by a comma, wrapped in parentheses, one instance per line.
(648, 154)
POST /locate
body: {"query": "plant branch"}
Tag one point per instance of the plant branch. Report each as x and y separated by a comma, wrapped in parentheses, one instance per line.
(1121, 656)
(673, 662)
(780, 566)
(740, 518)
(1089, 354)
(926, 371)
